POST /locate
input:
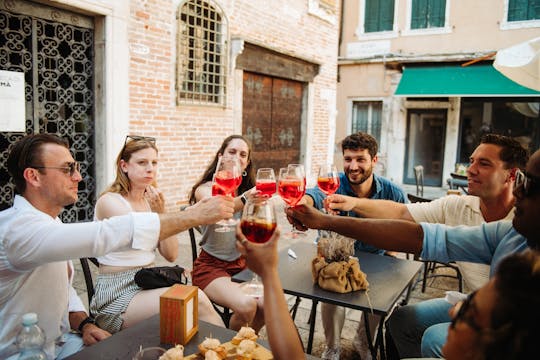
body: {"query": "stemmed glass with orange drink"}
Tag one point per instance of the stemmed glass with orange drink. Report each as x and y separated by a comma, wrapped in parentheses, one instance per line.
(227, 179)
(291, 188)
(258, 224)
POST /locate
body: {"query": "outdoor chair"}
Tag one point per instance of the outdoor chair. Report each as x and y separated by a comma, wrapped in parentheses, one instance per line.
(419, 179)
(87, 272)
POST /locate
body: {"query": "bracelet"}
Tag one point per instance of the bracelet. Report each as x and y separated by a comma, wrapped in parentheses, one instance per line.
(243, 198)
(88, 320)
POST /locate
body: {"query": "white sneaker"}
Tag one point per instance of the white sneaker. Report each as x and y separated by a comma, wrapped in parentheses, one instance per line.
(331, 353)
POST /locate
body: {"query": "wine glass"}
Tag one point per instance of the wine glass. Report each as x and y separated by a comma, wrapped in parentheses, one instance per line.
(258, 224)
(291, 188)
(227, 178)
(328, 180)
(266, 182)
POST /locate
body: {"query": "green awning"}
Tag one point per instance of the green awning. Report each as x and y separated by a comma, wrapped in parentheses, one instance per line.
(454, 80)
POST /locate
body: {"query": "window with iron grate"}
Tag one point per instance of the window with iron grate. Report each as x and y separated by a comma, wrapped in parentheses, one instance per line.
(201, 53)
(366, 117)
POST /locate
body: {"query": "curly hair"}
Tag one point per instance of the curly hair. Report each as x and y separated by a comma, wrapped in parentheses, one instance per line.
(248, 181)
(360, 141)
(516, 314)
(512, 153)
(121, 183)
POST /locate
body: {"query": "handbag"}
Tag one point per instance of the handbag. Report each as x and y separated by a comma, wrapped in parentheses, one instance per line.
(160, 276)
(338, 276)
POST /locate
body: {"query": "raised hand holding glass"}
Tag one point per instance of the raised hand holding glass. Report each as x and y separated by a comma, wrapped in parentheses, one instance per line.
(258, 224)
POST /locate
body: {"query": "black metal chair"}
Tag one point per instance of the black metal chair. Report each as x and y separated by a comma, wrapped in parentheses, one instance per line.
(224, 312)
(87, 272)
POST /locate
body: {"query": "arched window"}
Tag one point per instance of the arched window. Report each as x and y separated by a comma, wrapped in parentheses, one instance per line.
(201, 53)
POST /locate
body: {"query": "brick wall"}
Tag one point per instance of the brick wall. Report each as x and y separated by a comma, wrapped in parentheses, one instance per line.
(188, 136)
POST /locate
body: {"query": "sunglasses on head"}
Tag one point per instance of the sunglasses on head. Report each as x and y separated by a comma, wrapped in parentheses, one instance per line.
(70, 168)
(139, 138)
(529, 183)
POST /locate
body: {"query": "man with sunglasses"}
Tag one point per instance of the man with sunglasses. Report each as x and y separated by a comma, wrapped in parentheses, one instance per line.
(488, 243)
(35, 245)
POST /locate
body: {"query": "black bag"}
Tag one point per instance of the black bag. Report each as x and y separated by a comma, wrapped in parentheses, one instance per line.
(161, 276)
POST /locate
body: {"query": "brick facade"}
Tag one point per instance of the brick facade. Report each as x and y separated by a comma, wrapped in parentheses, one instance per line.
(188, 136)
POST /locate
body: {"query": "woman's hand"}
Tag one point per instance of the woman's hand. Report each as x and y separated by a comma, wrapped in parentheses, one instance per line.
(155, 199)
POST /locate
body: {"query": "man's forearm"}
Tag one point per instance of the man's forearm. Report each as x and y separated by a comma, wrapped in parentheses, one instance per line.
(76, 318)
(282, 333)
(397, 235)
(381, 209)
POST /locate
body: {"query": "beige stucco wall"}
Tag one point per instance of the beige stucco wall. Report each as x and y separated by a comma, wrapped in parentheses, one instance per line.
(474, 29)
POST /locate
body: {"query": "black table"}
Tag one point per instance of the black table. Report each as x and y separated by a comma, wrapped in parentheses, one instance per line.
(126, 343)
(388, 278)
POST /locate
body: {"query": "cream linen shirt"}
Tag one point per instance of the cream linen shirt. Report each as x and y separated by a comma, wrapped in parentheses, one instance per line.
(34, 249)
(456, 210)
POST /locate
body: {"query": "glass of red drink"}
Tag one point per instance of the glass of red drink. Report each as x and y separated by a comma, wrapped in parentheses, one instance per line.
(266, 182)
(258, 224)
(291, 188)
(227, 178)
(328, 179)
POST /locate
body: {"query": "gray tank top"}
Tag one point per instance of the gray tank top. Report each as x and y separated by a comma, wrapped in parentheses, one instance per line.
(221, 245)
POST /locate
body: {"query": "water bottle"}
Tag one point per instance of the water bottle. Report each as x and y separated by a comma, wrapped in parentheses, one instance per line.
(31, 339)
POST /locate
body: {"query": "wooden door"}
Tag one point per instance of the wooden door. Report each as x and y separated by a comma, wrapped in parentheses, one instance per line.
(272, 119)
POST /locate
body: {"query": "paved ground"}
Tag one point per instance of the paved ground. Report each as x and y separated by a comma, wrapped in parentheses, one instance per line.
(436, 287)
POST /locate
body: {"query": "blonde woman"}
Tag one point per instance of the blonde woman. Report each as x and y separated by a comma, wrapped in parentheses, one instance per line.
(118, 302)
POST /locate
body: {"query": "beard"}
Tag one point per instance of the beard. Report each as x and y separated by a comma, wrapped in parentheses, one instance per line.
(366, 174)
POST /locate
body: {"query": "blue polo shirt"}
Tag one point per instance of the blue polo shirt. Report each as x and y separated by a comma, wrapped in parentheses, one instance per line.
(384, 189)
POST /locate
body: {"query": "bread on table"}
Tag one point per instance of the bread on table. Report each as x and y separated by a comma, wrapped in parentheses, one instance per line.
(245, 333)
(175, 353)
(214, 345)
(245, 350)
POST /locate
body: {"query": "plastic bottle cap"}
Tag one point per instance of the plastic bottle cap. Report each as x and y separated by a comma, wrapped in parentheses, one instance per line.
(29, 319)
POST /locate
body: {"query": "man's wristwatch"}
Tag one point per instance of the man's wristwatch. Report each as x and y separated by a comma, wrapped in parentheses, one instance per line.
(88, 320)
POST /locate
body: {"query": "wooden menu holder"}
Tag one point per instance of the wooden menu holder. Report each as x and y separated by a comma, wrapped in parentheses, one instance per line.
(178, 314)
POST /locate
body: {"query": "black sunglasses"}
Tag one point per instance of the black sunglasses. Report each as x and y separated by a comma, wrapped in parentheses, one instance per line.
(70, 168)
(139, 138)
(461, 314)
(529, 182)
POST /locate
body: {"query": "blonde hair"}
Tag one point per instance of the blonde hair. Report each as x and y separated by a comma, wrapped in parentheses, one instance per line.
(121, 184)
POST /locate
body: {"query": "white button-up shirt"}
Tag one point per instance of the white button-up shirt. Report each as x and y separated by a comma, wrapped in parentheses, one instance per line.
(34, 248)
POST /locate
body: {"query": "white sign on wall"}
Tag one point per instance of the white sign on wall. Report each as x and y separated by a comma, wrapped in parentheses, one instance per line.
(12, 104)
(367, 48)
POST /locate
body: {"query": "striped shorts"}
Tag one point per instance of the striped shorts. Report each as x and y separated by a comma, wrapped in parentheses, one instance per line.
(113, 293)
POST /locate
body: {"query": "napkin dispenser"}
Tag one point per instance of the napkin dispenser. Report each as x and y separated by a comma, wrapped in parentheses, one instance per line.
(178, 314)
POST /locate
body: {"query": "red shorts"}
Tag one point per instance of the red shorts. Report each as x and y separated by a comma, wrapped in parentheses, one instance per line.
(208, 268)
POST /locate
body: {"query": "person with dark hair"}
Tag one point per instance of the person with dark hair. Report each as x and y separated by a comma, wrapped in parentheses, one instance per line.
(119, 302)
(499, 320)
(488, 243)
(219, 259)
(358, 181)
(36, 245)
(491, 173)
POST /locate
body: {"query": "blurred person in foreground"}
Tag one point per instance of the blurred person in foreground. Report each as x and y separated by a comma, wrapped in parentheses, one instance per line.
(262, 259)
(499, 320)
(35, 245)
(487, 244)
